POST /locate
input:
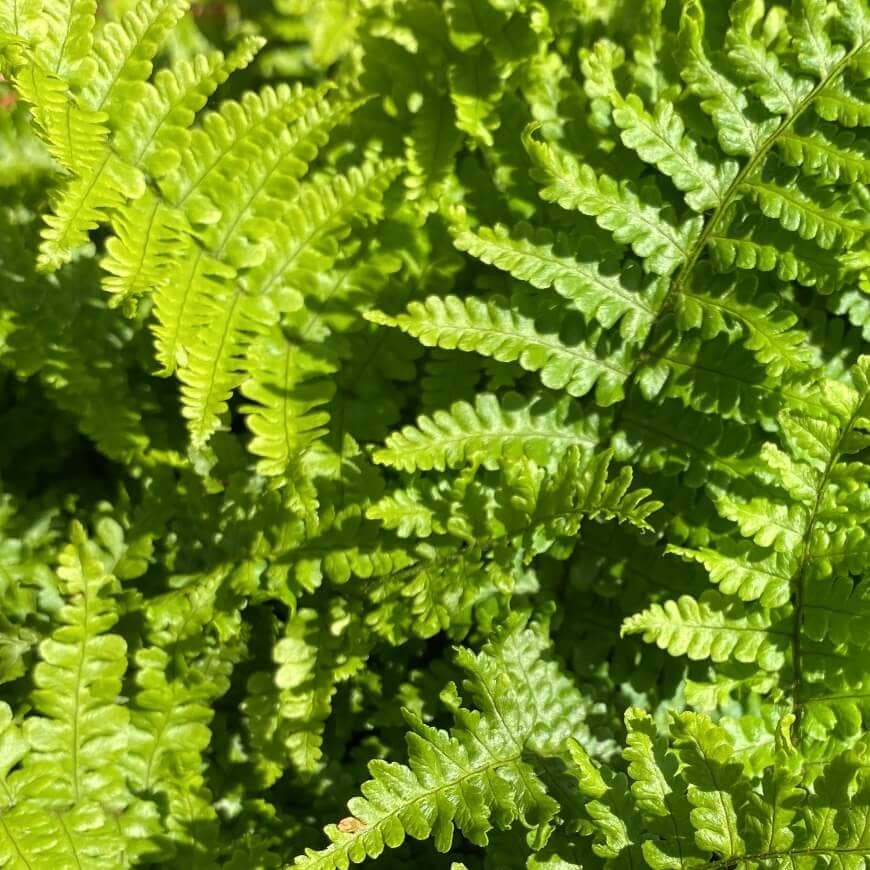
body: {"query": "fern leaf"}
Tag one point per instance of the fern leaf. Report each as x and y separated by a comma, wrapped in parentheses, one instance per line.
(475, 86)
(543, 260)
(837, 612)
(67, 44)
(72, 134)
(790, 265)
(268, 185)
(708, 629)
(219, 146)
(13, 748)
(289, 708)
(289, 389)
(158, 120)
(173, 301)
(225, 322)
(816, 53)
(20, 19)
(138, 255)
(492, 327)
(748, 572)
(224, 326)
(581, 488)
(652, 231)
(800, 213)
(173, 705)
(831, 157)
(837, 102)
(34, 837)
(83, 205)
(661, 140)
(776, 525)
(306, 240)
(714, 781)
(166, 718)
(739, 133)
(768, 329)
(474, 777)
(715, 806)
(667, 807)
(123, 53)
(484, 432)
(779, 91)
(80, 737)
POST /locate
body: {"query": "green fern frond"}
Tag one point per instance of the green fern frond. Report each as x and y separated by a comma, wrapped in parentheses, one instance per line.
(485, 773)
(65, 48)
(641, 221)
(799, 544)
(608, 296)
(123, 54)
(289, 389)
(485, 433)
(565, 354)
(694, 799)
(710, 628)
(288, 709)
(79, 738)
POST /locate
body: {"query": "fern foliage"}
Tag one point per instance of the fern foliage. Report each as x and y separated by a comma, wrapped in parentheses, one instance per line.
(459, 404)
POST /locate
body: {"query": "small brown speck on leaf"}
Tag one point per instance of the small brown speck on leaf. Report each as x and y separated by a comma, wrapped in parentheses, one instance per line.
(350, 825)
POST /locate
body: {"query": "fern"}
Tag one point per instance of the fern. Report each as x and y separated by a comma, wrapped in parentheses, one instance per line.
(474, 777)
(467, 398)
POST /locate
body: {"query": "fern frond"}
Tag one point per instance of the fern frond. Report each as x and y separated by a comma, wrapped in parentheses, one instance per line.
(798, 212)
(20, 19)
(13, 748)
(80, 737)
(748, 572)
(177, 685)
(34, 837)
(72, 134)
(767, 326)
(779, 91)
(827, 155)
(475, 777)
(485, 432)
(123, 52)
(289, 708)
(642, 221)
(225, 322)
(565, 354)
(739, 132)
(661, 140)
(66, 46)
(82, 205)
(710, 628)
(289, 389)
(837, 102)
(750, 252)
(306, 240)
(691, 798)
(537, 256)
(156, 128)
(215, 363)
(138, 255)
(800, 541)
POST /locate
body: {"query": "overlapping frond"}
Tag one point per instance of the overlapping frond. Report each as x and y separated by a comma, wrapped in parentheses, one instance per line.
(803, 545)
(480, 314)
(484, 773)
(688, 798)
